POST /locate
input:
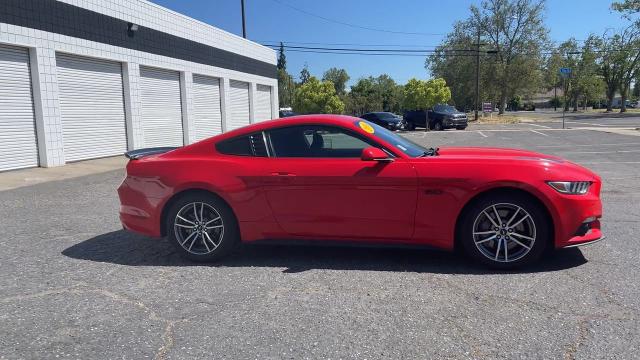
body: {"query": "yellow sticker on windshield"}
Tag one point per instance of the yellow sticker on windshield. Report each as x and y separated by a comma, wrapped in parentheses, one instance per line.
(366, 127)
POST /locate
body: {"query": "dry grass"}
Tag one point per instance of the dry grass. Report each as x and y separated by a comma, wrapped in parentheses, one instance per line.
(498, 119)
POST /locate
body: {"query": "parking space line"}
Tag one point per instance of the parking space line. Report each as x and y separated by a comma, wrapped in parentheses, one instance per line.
(542, 126)
(602, 152)
(609, 162)
(538, 132)
(584, 123)
(585, 145)
(481, 133)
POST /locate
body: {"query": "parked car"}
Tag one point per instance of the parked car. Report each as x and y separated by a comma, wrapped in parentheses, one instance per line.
(330, 178)
(440, 118)
(387, 120)
(287, 113)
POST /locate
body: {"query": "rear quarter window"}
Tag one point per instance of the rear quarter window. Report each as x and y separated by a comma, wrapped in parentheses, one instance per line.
(250, 145)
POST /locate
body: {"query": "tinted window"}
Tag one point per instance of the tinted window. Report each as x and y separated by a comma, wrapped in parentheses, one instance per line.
(401, 143)
(315, 141)
(251, 145)
(386, 116)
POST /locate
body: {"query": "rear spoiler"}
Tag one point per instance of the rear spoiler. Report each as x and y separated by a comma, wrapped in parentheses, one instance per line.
(140, 153)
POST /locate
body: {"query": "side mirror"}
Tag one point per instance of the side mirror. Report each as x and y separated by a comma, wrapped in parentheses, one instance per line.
(374, 154)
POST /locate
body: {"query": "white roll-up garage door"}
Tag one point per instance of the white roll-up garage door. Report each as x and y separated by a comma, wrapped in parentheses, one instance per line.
(91, 107)
(263, 103)
(239, 104)
(18, 147)
(206, 106)
(161, 110)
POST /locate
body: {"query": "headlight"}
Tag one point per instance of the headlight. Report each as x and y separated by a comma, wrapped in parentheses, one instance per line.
(571, 187)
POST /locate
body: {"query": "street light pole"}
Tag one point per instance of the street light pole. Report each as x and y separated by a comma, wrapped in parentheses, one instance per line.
(477, 76)
(244, 26)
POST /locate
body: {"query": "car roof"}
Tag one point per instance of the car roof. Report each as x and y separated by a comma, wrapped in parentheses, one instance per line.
(321, 119)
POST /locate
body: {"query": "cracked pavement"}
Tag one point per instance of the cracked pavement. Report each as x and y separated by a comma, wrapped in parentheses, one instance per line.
(73, 285)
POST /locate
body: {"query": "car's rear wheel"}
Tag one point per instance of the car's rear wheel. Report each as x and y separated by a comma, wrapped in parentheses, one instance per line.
(505, 231)
(202, 227)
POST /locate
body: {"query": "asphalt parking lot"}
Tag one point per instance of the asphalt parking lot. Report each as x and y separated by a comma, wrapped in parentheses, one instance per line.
(73, 285)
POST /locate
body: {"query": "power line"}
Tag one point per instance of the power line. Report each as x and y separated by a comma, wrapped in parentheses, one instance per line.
(277, 43)
(353, 25)
(367, 50)
(415, 52)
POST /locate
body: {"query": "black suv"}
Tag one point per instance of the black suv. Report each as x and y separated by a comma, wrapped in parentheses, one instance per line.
(385, 119)
(440, 118)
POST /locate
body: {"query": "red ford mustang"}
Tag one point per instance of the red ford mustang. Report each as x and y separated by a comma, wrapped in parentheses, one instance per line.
(343, 179)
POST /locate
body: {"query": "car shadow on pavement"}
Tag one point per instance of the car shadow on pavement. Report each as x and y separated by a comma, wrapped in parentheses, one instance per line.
(125, 248)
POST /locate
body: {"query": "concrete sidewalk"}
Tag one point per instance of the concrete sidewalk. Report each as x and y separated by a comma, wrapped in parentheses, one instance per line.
(25, 177)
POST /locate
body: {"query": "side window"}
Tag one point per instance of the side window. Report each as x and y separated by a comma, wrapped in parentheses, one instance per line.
(250, 145)
(367, 116)
(316, 142)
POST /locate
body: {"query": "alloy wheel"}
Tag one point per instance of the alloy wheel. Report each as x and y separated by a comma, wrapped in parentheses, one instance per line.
(504, 232)
(199, 228)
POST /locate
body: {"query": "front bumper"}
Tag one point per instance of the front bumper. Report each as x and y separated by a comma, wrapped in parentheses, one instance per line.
(578, 220)
(454, 123)
(586, 243)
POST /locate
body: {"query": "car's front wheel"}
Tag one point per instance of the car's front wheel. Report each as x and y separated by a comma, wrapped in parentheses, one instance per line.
(505, 231)
(438, 126)
(202, 227)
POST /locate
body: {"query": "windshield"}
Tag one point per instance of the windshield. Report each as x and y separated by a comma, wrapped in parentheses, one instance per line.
(386, 116)
(447, 108)
(403, 144)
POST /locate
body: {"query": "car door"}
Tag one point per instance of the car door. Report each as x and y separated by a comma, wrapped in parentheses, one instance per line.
(317, 186)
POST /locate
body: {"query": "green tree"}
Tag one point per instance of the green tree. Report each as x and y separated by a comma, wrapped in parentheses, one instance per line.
(338, 77)
(286, 88)
(515, 30)
(374, 94)
(457, 68)
(419, 94)
(364, 97)
(619, 62)
(286, 85)
(512, 37)
(282, 59)
(316, 97)
(304, 74)
(626, 6)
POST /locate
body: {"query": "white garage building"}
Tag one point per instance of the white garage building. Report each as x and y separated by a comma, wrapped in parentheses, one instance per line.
(83, 79)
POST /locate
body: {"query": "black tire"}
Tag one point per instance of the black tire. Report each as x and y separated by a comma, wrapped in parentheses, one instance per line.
(411, 126)
(461, 127)
(471, 219)
(438, 126)
(228, 239)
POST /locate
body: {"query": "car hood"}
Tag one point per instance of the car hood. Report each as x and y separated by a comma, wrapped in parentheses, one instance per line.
(552, 164)
(486, 152)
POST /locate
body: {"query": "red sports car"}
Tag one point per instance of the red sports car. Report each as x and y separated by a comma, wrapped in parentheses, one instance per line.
(343, 179)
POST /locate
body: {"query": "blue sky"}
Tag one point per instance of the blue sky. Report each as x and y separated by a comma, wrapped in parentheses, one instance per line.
(269, 20)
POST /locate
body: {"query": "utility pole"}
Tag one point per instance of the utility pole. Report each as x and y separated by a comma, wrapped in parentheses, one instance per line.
(555, 95)
(244, 26)
(564, 106)
(477, 76)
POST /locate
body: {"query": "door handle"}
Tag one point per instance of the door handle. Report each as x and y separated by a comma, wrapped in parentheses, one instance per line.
(282, 173)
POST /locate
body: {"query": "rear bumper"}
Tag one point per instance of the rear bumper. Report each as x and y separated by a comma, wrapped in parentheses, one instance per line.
(138, 213)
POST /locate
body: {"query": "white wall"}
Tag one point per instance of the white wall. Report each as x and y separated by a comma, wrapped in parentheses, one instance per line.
(44, 45)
